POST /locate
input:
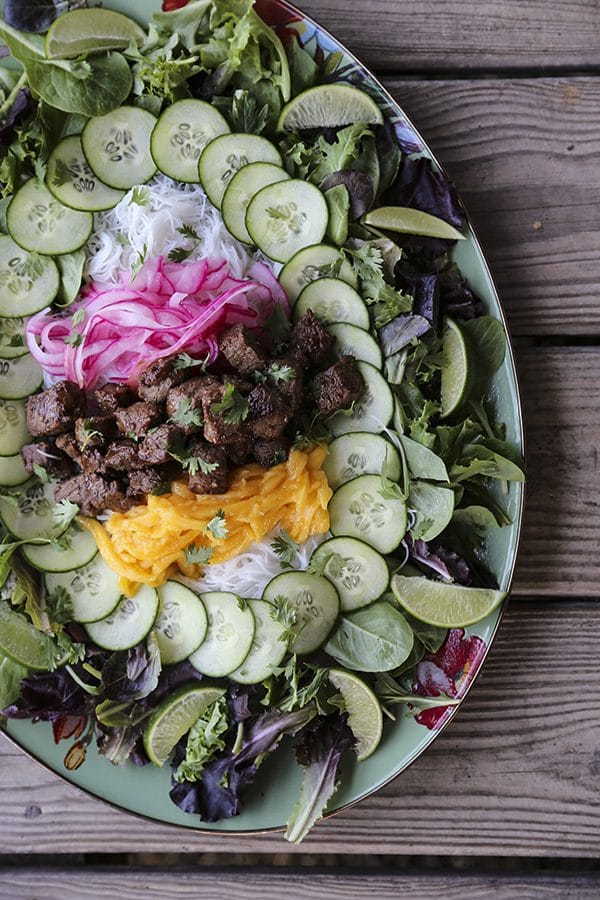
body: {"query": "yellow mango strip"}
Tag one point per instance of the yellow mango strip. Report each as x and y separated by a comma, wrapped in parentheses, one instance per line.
(146, 544)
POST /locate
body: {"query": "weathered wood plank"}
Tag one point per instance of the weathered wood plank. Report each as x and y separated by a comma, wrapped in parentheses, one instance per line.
(144, 884)
(516, 774)
(524, 157)
(457, 35)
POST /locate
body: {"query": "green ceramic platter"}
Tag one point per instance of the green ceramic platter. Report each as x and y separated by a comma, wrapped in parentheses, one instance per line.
(145, 791)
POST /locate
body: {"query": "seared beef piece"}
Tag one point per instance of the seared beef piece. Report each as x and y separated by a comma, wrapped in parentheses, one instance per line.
(156, 381)
(54, 411)
(92, 493)
(291, 388)
(216, 429)
(239, 347)
(310, 336)
(271, 453)
(190, 394)
(112, 397)
(241, 452)
(138, 418)
(122, 455)
(95, 432)
(142, 482)
(240, 384)
(49, 457)
(73, 490)
(93, 462)
(214, 482)
(339, 386)
(155, 447)
(68, 444)
(269, 412)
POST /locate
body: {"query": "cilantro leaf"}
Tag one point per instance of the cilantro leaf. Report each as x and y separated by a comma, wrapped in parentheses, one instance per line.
(64, 512)
(285, 614)
(187, 414)
(233, 408)
(217, 526)
(281, 373)
(180, 254)
(41, 473)
(243, 112)
(198, 556)
(185, 361)
(140, 196)
(188, 232)
(286, 549)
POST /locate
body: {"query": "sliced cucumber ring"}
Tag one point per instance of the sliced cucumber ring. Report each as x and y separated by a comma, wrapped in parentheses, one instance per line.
(29, 515)
(332, 300)
(72, 181)
(357, 454)
(12, 336)
(230, 634)
(117, 147)
(360, 574)
(20, 377)
(182, 132)
(38, 222)
(283, 218)
(229, 153)
(353, 341)
(28, 283)
(13, 427)
(312, 263)
(182, 622)
(12, 471)
(268, 648)
(129, 623)
(80, 550)
(93, 590)
(374, 409)
(358, 509)
(316, 602)
(240, 191)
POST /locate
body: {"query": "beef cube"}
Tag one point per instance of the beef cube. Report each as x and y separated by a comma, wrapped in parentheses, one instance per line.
(156, 381)
(154, 449)
(142, 482)
(68, 445)
(240, 348)
(103, 493)
(138, 419)
(46, 455)
(111, 397)
(122, 456)
(287, 375)
(240, 384)
(93, 462)
(72, 490)
(190, 395)
(94, 432)
(54, 411)
(209, 457)
(339, 386)
(271, 453)
(269, 412)
(216, 429)
(242, 451)
(311, 336)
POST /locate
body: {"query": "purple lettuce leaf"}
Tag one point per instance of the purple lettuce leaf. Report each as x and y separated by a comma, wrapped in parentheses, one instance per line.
(133, 674)
(401, 331)
(48, 696)
(37, 15)
(445, 563)
(359, 187)
(426, 293)
(419, 186)
(21, 105)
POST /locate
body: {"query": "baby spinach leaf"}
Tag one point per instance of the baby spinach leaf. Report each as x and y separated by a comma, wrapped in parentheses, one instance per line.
(11, 674)
(338, 203)
(487, 339)
(303, 68)
(105, 87)
(375, 639)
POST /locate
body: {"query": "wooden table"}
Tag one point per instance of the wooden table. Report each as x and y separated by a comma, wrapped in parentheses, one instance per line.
(506, 802)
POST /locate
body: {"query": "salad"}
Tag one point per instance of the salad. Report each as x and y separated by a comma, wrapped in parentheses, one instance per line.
(249, 455)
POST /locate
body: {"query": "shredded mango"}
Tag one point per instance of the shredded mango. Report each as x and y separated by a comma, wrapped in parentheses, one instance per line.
(146, 544)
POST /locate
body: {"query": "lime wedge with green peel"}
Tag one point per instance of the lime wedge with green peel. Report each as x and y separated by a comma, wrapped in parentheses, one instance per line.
(24, 644)
(411, 221)
(329, 106)
(91, 31)
(455, 368)
(444, 605)
(365, 718)
(174, 718)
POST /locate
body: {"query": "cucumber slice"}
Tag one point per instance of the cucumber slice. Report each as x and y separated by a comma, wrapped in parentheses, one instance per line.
(316, 602)
(12, 471)
(27, 283)
(332, 300)
(433, 505)
(353, 341)
(312, 263)
(227, 155)
(13, 427)
(283, 218)
(230, 634)
(374, 409)
(182, 132)
(267, 650)
(72, 181)
(129, 623)
(357, 509)
(240, 191)
(20, 377)
(29, 515)
(80, 551)
(357, 454)
(117, 147)
(12, 336)
(182, 622)
(93, 589)
(38, 222)
(360, 574)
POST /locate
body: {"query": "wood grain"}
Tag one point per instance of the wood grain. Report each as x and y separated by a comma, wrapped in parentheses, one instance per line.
(144, 884)
(458, 35)
(516, 774)
(523, 154)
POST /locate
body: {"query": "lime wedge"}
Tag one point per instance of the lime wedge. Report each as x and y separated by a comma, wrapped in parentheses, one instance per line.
(174, 718)
(329, 106)
(24, 644)
(91, 31)
(444, 605)
(412, 221)
(365, 718)
(455, 368)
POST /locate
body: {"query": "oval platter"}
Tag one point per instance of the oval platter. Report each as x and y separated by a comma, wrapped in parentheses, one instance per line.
(145, 791)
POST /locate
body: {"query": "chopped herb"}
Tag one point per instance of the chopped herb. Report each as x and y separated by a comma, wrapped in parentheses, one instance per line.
(198, 556)
(233, 408)
(140, 197)
(41, 473)
(75, 339)
(180, 451)
(64, 512)
(134, 437)
(217, 526)
(62, 173)
(278, 327)
(284, 612)
(139, 262)
(161, 489)
(185, 361)
(286, 549)
(89, 433)
(78, 317)
(187, 414)
(281, 373)
(180, 254)
(188, 232)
